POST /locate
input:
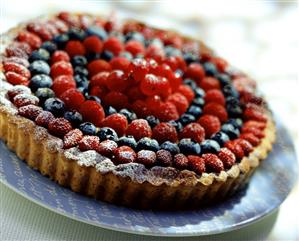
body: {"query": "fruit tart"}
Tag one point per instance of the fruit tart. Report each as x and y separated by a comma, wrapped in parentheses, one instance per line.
(129, 114)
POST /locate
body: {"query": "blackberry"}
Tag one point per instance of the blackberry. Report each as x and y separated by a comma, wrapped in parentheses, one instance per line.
(43, 94)
(39, 54)
(220, 137)
(55, 106)
(61, 40)
(79, 60)
(49, 46)
(186, 119)
(210, 69)
(129, 114)
(194, 110)
(146, 143)
(171, 147)
(209, 146)
(230, 130)
(74, 117)
(40, 81)
(97, 31)
(107, 133)
(88, 128)
(152, 121)
(39, 67)
(189, 147)
(127, 141)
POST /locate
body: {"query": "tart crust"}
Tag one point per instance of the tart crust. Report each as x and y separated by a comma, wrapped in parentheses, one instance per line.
(130, 184)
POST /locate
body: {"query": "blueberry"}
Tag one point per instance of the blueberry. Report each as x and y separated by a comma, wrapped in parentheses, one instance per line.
(88, 128)
(127, 141)
(224, 79)
(83, 90)
(81, 81)
(97, 31)
(220, 137)
(152, 121)
(93, 97)
(190, 58)
(49, 46)
(107, 55)
(110, 110)
(40, 81)
(186, 119)
(93, 56)
(230, 100)
(76, 34)
(43, 94)
(134, 36)
(210, 69)
(79, 60)
(74, 117)
(179, 72)
(199, 92)
(61, 40)
(129, 114)
(229, 90)
(80, 70)
(209, 146)
(178, 126)
(172, 51)
(189, 147)
(191, 83)
(198, 102)
(146, 143)
(171, 147)
(127, 55)
(55, 106)
(39, 67)
(39, 54)
(234, 111)
(107, 133)
(236, 122)
(155, 42)
(194, 110)
(230, 130)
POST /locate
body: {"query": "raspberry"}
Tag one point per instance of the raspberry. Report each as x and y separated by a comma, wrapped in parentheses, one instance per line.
(175, 80)
(116, 99)
(209, 83)
(44, 118)
(250, 138)
(246, 146)
(100, 79)
(107, 147)
(146, 157)
(216, 110)
(60, 55)
(165, 132)
(180, 161)
(93, 44)
(117, 122)
(139, 69)
(213, 163)
(216, 96)
(197, 164)
(140, 108)
(134, 47)
(18, 89)
(153, 102)
(61, 68)
(59, 126)
(210, 123)
(227, 157)
(63, 83)
(167, 111)
(253, 113)
(139, 128)
(151, 85)
(97, 66)
(164, 158)
(73, 99)
(120, 63)
(253, 130)
(117, 81)
(72, 138)
(180, 102)
(196, 72)
(113, 45)
(30, 111)
(134, 94)
(194, 131)
(17, 68)
(25, 99)
(89, 143)
(18, 60)
(75, 47)
(220, 63)
(172, 62)
(30, 38)
(235, 148)
(69, 19)
(155, 52)
(16, 79)
(92, 112)
(98, 91)
(124, 154)
(186, 91)
(18, 49)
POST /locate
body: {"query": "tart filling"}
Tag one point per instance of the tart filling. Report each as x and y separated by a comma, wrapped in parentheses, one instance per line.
(119, 110)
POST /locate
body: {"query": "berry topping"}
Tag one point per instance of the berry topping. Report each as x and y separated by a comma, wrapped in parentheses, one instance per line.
(189, 147)
(75, 47)
(227, 157)
(16, 79)
(216, 110)
(213, 163)
(193, 131)
(235, 148)
(197, 164)
(72, 98)
(89, 143)
(16, 68)
(107, 147)
(127, 141)
(55, 106)
(230, 130)
(44, 118)
(117, 122)
(25, 99)
(146, 157)
(209, 146)
(88, 128)
(171, 147)
(195, 71)
(43, 94)
(180, 102)
(146, 143)
(165, 132)
(72, 138)
(92, 112)
(107, 133)
(40, 81)
(60, 55)
(220, 137)
(59, 126)
(124, 154)
(214, 95)
(210, 123)
(63, 83)
(39, 54)
(30, 111)
(39, 67)
(93, 44)
(180, 161)
(61, 68)
(139, 128)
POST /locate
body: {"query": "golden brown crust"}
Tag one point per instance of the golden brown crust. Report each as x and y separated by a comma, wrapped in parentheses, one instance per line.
(127, 184)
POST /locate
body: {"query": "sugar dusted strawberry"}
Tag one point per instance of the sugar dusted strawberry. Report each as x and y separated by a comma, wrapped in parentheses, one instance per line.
(193, 131)
(60, 55)
(25, 99)
(213, 163)
(235, 148)
(30, 111)
(61, 68)
(187, 92)
(196, 164)
(18, 49)
(246, 146)
(180, 101)
(17, 68)
(75, 47)
(165, 132)
(210, 123)
(18, 60)
(139, 128)
(89, 143)
(59, 126)
(107, 147)
(117, 122)
(92, 112)
(164, 158)
(63, 83)
(16, 90)
(146, 157)
(253, 113)
(227, 157)
(216, 110)
(250, 138)
(180, 161)
(16, 79)
(73, 99)
(44, 118)
(32, 39)
(124, 154)
(72, 138)
(253, 130)
(97, 66)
